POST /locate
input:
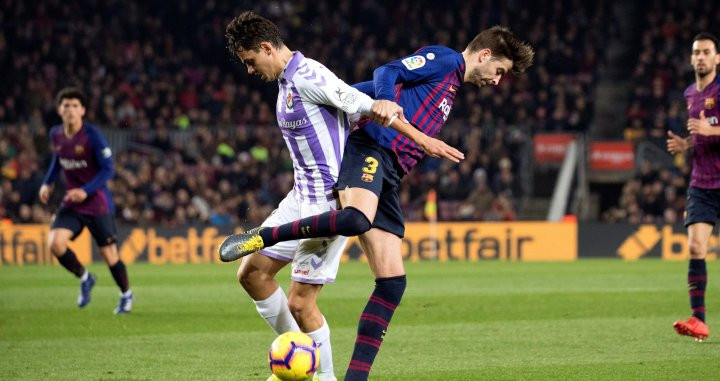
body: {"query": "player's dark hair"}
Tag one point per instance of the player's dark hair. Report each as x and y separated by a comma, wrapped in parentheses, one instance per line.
(708, 36)
(71, 93)
(503, 44)
(248, 30)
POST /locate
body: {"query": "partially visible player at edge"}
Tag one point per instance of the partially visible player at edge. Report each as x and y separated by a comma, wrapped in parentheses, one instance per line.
(312, 112)
(376, 158)
(703, 196)
(86, 161)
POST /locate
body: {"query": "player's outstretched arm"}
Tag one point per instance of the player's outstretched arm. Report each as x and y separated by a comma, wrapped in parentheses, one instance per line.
(321, 86)
(432, 147)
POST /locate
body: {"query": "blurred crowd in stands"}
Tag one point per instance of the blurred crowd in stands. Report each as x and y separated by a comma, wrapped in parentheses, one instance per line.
(205, 144)
(657, 105)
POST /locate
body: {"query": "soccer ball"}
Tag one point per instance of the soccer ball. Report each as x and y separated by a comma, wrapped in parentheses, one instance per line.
(293, 356)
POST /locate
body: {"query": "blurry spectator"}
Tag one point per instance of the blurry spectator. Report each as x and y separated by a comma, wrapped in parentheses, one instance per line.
(206, 148)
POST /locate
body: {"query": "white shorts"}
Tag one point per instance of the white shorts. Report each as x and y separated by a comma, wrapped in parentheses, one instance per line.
(314, 260)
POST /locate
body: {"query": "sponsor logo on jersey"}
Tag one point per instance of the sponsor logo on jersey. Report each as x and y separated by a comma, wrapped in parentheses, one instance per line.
(298, 271)
(292, 124)
(709, 103)
(70, 164)
(79, 149)
(106, 152)
(289, 100)
(366, 177)
(445, 107)
(414, 62)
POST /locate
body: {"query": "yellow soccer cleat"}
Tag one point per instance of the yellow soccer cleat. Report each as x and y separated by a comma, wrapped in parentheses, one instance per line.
(239, 245)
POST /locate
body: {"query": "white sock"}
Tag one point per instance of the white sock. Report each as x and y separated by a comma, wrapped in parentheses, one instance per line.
(322, 339)
(126, 293)
(276, 313)
(85, 275)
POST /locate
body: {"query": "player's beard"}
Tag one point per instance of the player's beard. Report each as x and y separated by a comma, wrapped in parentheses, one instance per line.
(703, 73)
(475, 78)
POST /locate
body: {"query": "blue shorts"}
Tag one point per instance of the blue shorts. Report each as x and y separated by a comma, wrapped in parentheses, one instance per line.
(368, 165)
(101, 227)
(703, 205)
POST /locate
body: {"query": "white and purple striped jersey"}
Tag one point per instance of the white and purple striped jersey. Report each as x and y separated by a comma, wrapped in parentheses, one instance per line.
(312, 112)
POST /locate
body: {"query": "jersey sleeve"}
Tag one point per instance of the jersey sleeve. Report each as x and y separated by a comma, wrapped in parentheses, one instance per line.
(321, 86)
(103, 155)
(54, 169)
(425, 65)
(366, 87)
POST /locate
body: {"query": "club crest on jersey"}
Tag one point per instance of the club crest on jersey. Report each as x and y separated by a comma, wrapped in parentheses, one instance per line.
(289, 100)
(414, 62)
(709, 103)
(79, 149)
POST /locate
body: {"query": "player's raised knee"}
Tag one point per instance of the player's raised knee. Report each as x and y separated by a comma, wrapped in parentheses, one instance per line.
(352, 222)
(58, 246)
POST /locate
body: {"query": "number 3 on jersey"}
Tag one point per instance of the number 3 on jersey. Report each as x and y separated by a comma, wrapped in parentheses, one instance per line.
(369, 169)
(372, 165)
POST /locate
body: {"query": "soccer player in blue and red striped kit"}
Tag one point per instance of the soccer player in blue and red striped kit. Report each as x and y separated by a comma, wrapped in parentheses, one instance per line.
(376, 158)
(703, 196)
(85, 158)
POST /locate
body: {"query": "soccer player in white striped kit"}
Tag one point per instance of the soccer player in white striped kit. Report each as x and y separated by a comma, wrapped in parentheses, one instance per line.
(312, 111)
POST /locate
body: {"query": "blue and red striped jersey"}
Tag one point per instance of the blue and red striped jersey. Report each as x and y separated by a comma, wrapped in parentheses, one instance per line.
(706, 152)
(86, 161)
(424, 84)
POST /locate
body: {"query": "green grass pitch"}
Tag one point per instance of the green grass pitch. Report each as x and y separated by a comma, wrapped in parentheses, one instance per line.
(584, 320)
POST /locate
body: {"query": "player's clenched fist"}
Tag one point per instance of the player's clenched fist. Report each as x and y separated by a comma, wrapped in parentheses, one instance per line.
(383, 112)
(676, 144)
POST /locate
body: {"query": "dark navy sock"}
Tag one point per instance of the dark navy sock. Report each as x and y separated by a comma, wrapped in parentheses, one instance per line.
(373, 325)
(71, 263)
(697, 279)
(119, 273)
(348, 222)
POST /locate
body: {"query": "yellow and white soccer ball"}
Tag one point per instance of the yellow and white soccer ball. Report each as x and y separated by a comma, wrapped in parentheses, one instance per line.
(294, 356)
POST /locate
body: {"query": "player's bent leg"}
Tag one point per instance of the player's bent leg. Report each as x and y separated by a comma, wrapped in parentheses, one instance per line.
(119, 273)
(383, 250)
(364, 200)
(257, 276)
(302, 301)
(359, 208)
(58, 242)
(698, 235)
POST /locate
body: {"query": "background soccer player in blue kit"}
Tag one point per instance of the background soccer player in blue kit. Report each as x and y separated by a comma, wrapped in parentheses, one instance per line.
(703, 196)
(85, 158)
(376, 158)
